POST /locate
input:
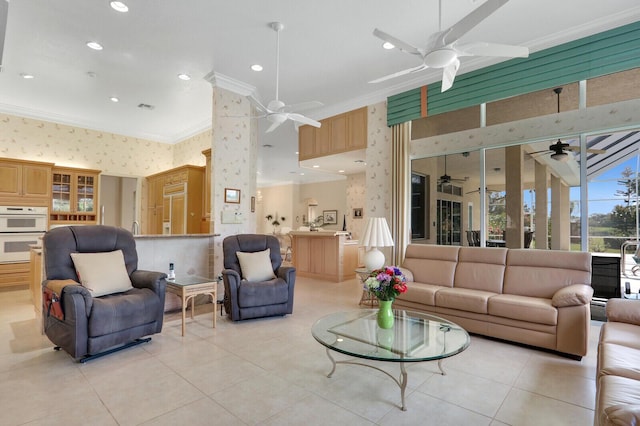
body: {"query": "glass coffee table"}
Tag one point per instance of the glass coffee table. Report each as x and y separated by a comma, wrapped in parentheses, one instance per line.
(415, 337)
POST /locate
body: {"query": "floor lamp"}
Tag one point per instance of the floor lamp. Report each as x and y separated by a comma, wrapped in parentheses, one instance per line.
(376, 234)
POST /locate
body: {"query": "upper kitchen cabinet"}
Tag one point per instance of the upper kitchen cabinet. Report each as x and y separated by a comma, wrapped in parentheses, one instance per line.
(25, 182)
(337, 134)
(74, 196)
(175, 201)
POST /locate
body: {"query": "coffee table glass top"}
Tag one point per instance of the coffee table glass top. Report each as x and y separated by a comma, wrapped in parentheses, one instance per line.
(187, 280)
(414, 337)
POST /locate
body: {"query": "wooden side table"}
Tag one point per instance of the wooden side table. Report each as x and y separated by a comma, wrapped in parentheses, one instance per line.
(188, 287)
(367, 297)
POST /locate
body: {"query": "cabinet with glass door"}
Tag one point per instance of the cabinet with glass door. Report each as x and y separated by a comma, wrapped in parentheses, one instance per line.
(74, 196)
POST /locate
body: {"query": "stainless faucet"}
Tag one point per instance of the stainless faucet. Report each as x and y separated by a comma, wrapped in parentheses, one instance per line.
(135, 228)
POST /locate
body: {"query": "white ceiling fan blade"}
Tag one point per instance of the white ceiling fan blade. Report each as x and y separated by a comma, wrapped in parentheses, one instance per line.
(274, 126)
(299, 118)
(400, 73)
(492, 49)
(399, 44)
(449, 74)
(302, 106)
(259, 105)
(464, 25)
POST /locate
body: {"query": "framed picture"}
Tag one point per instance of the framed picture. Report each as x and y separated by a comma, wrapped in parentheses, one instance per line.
(253, 204)
(330, 217)
(357, 213)
(232, 195)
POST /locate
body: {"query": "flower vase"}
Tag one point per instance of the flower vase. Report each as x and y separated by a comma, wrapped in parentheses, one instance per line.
(385, 314)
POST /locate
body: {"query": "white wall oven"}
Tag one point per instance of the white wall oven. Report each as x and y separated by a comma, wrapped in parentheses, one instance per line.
(20, 227)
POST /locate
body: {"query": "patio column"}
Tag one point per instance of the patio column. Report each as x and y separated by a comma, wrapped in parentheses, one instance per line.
(560, 215)
(542, 206)
(514, 234)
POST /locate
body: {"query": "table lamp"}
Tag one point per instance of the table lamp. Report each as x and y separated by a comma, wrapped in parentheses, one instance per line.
(376, 234)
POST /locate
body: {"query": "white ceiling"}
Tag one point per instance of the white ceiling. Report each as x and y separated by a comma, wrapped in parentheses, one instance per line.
(328, 53)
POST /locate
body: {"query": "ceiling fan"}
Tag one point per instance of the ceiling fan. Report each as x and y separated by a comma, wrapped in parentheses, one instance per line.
(487, 190)
(445, 178)
(443, 50)
(276, 111)
(559, 149)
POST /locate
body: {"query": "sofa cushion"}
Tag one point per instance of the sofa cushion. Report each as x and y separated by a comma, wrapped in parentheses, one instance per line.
(481, 268)
(431, 264)
(117, 312)
(463, 299)
(531, 309)
(614, 393)
(102, 273)
(620, 333)
(617, 360)
(272, 292)
(540, 273)
(623, 310)
(421, 293)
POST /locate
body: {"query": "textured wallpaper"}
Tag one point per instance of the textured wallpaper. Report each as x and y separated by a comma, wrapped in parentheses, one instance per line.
(30, 139)
(356, 198)
(189, 151)
(378, 174)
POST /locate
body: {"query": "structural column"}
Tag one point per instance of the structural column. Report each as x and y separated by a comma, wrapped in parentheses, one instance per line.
(514, 234)
(560, 215)
(542, 206)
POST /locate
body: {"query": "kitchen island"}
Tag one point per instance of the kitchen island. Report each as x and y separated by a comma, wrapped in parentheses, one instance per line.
(324, 255)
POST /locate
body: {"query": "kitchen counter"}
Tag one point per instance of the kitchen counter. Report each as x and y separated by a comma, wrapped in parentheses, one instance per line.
(172, 236)
(324, 255)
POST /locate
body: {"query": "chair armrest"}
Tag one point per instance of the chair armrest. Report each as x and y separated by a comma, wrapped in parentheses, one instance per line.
(572, 295)
(66, 289)
(287, 273)
(154, 281)
(623, 310)
(231, 280)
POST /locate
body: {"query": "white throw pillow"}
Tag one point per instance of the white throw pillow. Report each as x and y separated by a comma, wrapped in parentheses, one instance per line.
(256, 266)
(102, 273)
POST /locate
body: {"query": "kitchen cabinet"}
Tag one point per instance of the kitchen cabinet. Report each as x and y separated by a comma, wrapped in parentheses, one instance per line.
(74, 196)
(337, 134)
(324, 255)
(175, 201)
(25, 182)
(14, 274)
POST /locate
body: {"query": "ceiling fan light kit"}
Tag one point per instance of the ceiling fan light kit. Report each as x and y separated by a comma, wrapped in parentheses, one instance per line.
(444, 52)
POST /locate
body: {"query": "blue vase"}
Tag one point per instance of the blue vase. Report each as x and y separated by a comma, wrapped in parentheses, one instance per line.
(385, 314)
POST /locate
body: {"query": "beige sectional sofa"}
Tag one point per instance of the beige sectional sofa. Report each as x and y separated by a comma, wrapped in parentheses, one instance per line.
(535, 297)
(618, 371)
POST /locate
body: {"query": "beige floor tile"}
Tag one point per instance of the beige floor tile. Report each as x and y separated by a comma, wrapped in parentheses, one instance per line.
(474, 393)
(522, 408)
(203, 412)
(425, 410)
(259, 398)
(315, 411)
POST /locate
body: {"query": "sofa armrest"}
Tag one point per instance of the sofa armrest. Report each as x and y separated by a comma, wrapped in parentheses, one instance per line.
(287, 273)
(623, 414)
(231, 280)
(623, 310)
(407, 274)
(572, 295)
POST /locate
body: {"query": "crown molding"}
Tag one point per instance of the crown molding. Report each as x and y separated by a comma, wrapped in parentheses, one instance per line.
(228, 83)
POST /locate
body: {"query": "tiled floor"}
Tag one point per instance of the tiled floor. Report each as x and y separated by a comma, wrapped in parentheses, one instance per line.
(272, 372)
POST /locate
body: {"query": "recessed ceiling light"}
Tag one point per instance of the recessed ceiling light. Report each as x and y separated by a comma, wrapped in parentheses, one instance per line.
(27, 76)
(359, 161)
(340, 171)
(301, 174)
(267, 145)
(114, 99)
(387, 45)
(146, 106)
(119, 6)
(297, 153)
(315, 166)
(94, 45)
(185, 77)
(256, 67)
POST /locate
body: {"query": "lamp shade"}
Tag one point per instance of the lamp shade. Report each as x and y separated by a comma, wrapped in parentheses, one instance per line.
(376, 233)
